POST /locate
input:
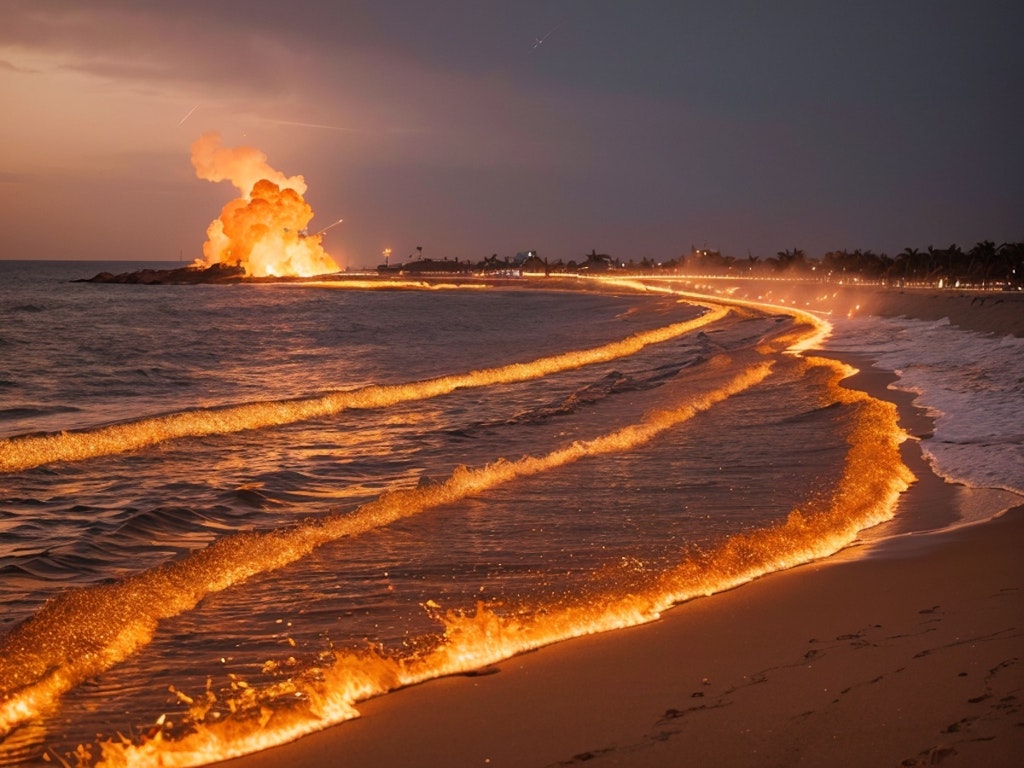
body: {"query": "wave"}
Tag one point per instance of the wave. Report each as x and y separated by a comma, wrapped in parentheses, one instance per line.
(226, 723)
(26, 452)
(968, 382)
(82, 632)
(612, 383)
(26, 412)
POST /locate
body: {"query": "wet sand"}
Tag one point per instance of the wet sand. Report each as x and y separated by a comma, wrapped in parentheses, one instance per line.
(909, 651)
(907, 657)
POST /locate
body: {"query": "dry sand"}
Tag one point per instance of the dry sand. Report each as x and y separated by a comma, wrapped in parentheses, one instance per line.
(907, 652)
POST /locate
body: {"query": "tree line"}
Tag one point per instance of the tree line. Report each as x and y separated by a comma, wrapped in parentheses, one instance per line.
(986, 264)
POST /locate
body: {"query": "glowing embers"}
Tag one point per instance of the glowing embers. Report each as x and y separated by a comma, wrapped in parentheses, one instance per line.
(264, 230)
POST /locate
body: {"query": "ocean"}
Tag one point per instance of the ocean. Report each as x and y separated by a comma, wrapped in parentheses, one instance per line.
(229, 513)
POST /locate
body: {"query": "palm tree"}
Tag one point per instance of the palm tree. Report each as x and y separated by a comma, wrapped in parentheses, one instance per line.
(909, 262)
(981, 257)
(794, 259)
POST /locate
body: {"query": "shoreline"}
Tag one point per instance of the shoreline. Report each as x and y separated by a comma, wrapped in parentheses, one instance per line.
(824, 673)
(900, 650)
(991, 312)
(981, 311)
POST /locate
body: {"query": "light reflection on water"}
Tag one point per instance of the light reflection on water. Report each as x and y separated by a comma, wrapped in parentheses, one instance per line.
(547, 539)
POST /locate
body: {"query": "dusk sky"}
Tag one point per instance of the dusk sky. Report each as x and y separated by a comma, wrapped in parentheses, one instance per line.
(637, 127)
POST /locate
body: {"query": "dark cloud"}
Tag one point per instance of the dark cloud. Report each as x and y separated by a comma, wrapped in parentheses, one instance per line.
(649, 125)
(178, 44)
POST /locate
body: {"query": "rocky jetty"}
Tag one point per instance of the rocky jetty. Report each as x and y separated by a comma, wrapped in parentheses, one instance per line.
(218, 273)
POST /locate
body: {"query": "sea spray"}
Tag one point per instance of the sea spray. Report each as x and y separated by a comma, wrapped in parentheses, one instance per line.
(84, 631)
(873, 478)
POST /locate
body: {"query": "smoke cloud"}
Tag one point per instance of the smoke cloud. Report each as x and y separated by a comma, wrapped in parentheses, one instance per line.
(264, 230)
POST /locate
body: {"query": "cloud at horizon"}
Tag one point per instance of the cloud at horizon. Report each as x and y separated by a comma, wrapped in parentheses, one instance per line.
(637, 129)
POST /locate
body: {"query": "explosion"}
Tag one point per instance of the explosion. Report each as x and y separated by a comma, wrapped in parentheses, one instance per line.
(264, 230)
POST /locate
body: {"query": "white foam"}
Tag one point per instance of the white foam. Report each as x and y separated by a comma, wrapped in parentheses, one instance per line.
(972, 384)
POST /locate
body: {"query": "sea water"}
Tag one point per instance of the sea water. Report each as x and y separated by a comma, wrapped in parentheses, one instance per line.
(970, 383)
(228, 513)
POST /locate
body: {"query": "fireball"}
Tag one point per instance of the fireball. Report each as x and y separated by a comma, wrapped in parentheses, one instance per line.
(265, 230)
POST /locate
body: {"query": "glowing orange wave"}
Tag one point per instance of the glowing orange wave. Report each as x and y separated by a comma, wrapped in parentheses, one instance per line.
(801, 340)
(391, 284)
(873, 477)
(872, 480)
(80, 633)
(21, 453)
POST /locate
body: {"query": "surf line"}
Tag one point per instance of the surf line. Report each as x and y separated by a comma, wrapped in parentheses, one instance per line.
(872, 479)
(801, 343)
(83, 632)
(21, 453)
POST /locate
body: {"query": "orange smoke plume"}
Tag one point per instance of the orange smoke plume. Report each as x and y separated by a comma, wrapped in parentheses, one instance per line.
(264, 230)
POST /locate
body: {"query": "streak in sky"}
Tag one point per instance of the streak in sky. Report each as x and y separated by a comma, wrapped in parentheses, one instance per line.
(188, 115)
(540, 40)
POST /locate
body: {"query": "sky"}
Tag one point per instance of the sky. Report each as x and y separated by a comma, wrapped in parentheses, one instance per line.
(639, 128)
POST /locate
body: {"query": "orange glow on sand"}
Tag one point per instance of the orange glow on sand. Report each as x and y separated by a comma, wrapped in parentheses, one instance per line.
(264, 230)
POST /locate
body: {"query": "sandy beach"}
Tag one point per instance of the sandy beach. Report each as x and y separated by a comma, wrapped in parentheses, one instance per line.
(904, 652)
